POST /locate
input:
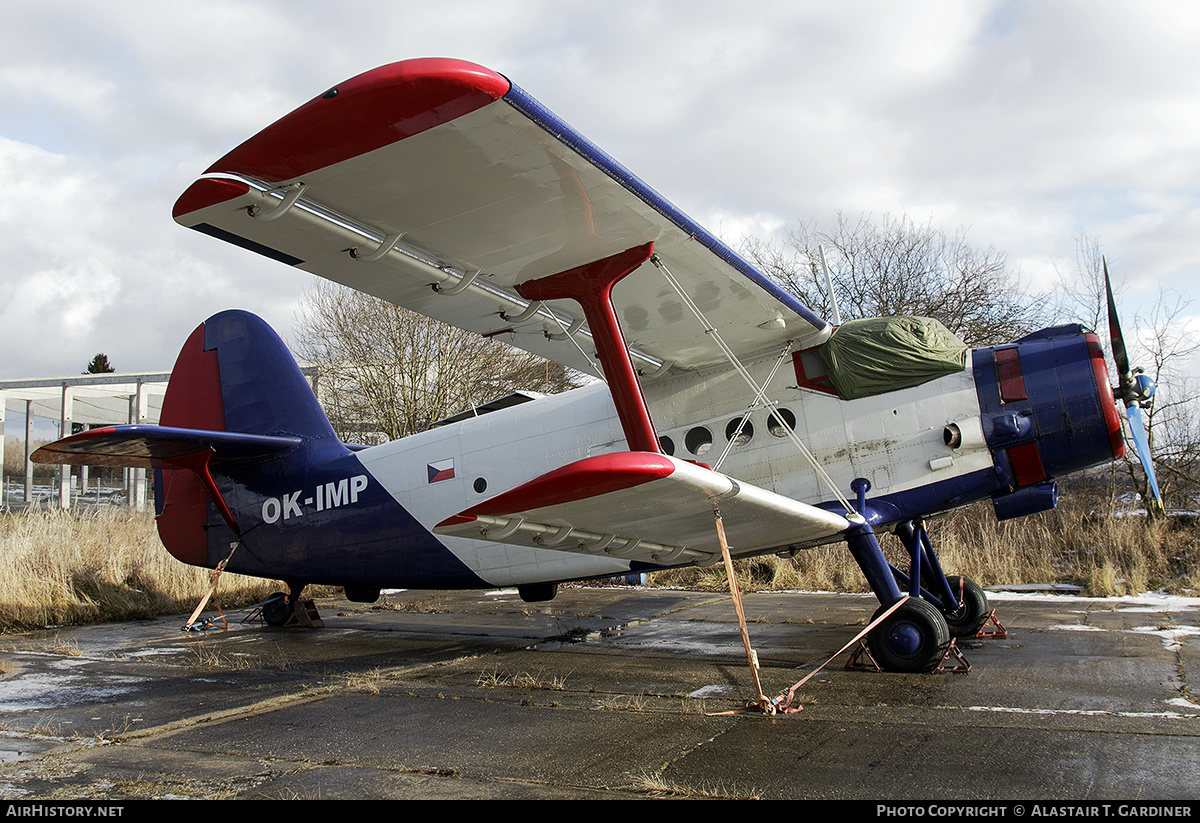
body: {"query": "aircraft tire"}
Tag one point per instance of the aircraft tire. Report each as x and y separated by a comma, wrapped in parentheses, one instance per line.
(972, 612)
(911, 640)
(277, 610)
(538, 592)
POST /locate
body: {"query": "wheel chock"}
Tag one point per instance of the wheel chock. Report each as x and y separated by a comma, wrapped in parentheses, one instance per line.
(306, 614)
(960, 664)
(855, 665)
(998, 632)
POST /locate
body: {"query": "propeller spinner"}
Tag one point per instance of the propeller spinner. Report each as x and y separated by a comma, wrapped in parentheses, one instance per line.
(1136, 391)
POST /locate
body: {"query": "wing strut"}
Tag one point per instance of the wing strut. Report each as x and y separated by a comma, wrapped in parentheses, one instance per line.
(198, 463)
(591, 286)
(760, 395)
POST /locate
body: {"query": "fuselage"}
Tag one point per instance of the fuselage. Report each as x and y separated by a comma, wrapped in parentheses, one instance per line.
(1005, 427)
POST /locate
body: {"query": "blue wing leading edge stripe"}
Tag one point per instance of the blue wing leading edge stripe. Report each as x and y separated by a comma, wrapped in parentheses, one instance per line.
(549, 121)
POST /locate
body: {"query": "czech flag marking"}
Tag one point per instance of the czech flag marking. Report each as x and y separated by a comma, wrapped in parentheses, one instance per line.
(441, 470)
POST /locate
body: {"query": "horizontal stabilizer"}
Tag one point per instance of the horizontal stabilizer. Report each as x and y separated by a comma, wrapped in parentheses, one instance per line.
(646, 507)
(156, 447)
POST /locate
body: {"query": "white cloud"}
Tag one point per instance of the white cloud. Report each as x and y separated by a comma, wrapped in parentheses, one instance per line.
(1027, 121)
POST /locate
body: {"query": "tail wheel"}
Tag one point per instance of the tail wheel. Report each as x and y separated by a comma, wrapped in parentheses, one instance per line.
(973, 607)
(912, 639)
(277, 609)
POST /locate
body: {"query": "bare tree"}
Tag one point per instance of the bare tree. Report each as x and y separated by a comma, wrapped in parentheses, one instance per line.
(1080, 295)
(387, 372)
(897, 266)
(1165, 346)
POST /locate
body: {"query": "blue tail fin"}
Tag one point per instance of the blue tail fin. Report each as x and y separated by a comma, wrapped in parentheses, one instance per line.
(235, 374)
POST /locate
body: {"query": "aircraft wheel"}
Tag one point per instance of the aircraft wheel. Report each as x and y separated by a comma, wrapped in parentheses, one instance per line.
(277, 610)
(973, 610)
(537, 592)
(912, 639)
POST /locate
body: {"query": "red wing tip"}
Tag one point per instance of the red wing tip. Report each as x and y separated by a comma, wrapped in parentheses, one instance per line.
(93, 433)
(365, 113)
(456, 520)
(207, 192)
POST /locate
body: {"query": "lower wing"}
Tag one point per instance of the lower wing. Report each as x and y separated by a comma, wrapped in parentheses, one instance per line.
(645, 507)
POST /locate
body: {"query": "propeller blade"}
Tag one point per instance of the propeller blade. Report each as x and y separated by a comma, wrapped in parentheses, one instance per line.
(1132, 392)
(1137, 430)
(1114, 333)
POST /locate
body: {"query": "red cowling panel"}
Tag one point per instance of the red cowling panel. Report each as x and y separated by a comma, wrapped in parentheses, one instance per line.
(193, 401)
(1108, 403)
(1027, 464)
(586, 478)
(365, 113)
(1008, 373)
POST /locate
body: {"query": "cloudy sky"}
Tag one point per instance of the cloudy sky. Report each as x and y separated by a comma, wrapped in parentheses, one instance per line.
(1029, 122)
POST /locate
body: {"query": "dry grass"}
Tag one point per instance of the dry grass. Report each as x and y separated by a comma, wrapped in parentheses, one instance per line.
(655, 785)
(521, 680)
(1105, 554)
(63, 568)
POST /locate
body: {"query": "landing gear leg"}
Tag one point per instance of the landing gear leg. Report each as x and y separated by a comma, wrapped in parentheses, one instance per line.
(960, 599)
(913, 638)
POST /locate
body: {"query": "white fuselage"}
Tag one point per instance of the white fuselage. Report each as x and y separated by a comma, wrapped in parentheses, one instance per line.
(894, 440)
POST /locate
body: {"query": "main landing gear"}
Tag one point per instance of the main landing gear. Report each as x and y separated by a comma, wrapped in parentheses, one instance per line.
(913, 638)
(284, 609)
(917, 636)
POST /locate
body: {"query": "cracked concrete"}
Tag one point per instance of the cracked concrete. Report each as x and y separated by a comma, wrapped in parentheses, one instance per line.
(602, 693)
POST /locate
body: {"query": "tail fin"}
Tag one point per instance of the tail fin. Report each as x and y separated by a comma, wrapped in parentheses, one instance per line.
(236, 399)
(234, 374)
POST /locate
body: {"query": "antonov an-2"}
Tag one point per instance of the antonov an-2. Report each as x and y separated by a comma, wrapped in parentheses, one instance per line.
(440, 186)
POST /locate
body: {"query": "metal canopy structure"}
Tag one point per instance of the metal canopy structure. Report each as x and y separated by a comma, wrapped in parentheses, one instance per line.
(87, 400)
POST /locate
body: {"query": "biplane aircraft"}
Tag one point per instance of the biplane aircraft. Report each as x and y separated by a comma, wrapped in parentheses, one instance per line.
(440, 186)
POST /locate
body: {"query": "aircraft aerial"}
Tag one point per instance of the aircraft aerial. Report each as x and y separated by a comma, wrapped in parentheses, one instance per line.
(440, 186)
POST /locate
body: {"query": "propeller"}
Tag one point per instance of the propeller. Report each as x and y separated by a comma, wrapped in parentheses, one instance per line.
(1136, 391)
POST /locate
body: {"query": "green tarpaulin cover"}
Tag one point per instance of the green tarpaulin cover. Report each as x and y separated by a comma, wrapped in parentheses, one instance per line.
(882, 354)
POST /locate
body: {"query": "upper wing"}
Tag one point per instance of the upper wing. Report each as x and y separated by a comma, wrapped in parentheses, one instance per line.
(643, 506)
(441, 173)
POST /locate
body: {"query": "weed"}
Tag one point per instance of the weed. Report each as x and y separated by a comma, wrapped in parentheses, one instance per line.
(365, 682)
(656, 786)
(623, 702)
(521, 680)
(66, 568)
(205, 657)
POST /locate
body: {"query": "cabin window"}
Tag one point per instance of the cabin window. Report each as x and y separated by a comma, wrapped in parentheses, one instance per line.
(698, 441)
(739, 431)
(667, 445)
(778, 420)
